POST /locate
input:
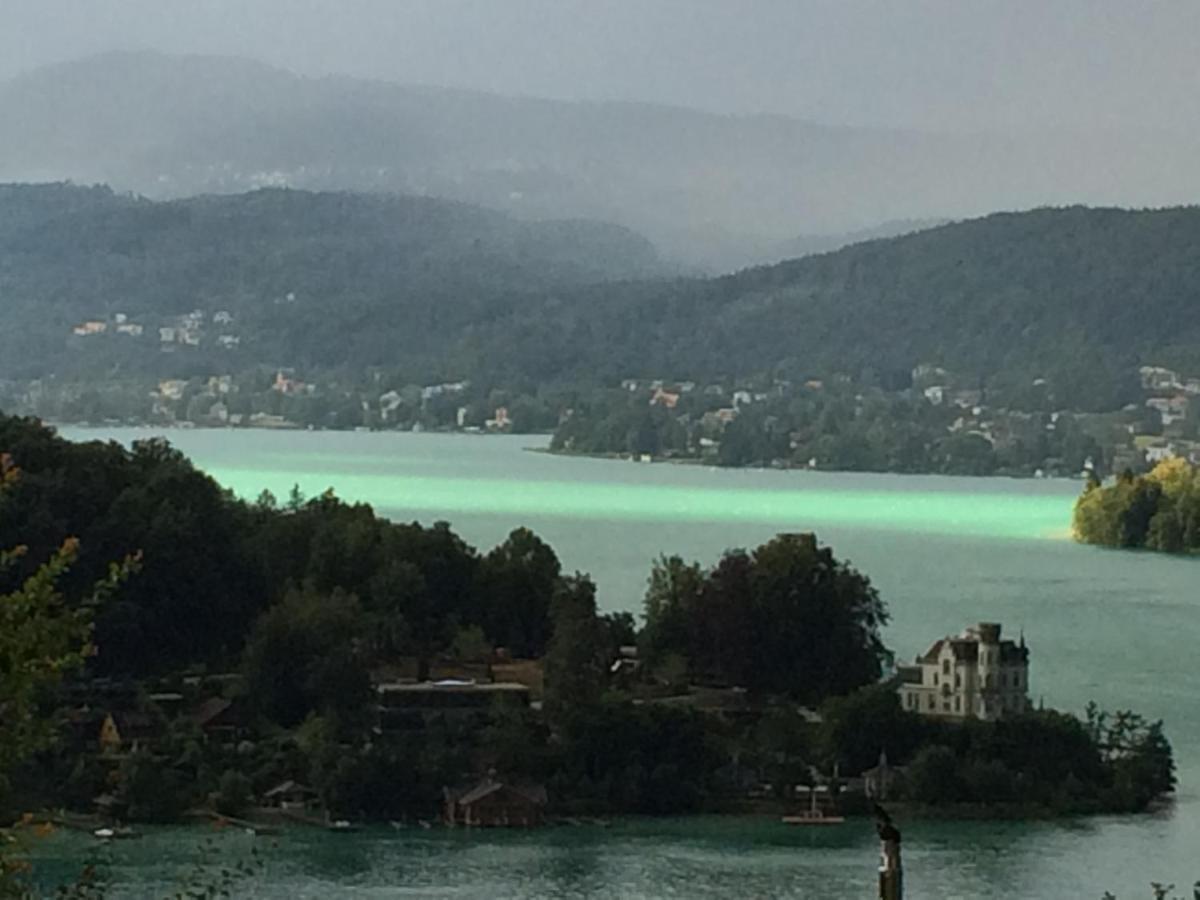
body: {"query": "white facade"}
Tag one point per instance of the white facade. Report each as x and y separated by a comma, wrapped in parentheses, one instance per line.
(974, 675)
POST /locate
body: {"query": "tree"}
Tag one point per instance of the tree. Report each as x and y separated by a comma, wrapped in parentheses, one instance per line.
(575, 663)
(304, 656)
(42, 640)
(518, 580)
(787, 618)
(857, 728)
(672, 597)
(933, 777)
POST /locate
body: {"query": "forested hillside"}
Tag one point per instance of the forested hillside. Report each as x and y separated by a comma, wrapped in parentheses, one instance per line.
(1073, 298)
(304, 278)
(1077, 296)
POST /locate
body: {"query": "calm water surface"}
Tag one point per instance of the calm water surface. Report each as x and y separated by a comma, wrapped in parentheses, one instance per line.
(1121, 628)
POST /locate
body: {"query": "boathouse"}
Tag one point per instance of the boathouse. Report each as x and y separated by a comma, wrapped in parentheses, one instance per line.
(495, 804)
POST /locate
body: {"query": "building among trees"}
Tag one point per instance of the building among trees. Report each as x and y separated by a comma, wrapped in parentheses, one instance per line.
(492, 803)
(974, 675)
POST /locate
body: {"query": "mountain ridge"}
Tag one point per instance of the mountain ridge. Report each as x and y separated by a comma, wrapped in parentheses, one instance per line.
(710, 190)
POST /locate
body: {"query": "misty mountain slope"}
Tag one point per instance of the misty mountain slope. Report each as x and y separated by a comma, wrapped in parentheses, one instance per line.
(1078, 296)
(309, 276)
(722, 191)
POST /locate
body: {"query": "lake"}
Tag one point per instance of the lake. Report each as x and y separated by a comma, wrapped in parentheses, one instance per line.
(1117, 627)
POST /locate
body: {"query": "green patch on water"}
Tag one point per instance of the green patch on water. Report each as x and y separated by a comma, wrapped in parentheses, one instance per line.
(1005, 515)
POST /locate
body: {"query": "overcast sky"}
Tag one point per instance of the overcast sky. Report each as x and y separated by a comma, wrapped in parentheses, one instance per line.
(935, 64)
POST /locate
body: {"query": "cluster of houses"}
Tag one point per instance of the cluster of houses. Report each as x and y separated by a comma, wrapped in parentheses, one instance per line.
(208, 401)
(119, 324)
(187, 330)
(1169, 404)
(1170, 398)
(976, 674)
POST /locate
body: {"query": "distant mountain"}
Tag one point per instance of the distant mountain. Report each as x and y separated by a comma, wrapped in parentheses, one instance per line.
(326, 278)
(709, 190)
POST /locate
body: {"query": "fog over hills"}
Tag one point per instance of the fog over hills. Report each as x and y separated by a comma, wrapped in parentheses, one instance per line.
(712, 191)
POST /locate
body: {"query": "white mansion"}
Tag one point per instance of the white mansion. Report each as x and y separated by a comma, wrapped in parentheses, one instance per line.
(974, 675)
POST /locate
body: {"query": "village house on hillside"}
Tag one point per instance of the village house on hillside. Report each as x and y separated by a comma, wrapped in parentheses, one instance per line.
(974, 675)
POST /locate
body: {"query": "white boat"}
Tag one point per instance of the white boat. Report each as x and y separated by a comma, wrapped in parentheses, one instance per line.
(814, 815)
(114, 834)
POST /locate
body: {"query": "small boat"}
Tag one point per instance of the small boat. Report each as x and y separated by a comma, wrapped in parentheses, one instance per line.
(343, 825)
(808, 818)
(115, 834)
(425, 824)
(814, 815)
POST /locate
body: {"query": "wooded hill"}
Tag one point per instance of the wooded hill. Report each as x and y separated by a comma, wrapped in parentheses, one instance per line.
(1076, 296)
(307, 278)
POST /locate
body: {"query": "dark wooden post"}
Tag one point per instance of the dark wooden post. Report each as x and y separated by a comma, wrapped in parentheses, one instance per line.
(891, 870)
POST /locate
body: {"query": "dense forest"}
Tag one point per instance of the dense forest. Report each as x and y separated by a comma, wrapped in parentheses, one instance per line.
(1156, 511)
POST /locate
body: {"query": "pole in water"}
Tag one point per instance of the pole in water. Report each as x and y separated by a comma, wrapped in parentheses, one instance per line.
(891, 871)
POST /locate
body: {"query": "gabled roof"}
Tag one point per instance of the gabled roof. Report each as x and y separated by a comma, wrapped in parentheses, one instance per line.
(966, 649)
(290, 787)
(210, 710)
(932, 653)
(535, 794)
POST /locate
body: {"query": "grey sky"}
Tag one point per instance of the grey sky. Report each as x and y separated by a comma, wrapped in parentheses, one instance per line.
(938, 64)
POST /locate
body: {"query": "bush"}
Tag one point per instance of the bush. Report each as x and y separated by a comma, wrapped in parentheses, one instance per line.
(234, 794)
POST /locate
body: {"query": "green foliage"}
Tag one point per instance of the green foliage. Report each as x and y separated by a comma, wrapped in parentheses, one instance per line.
(646, 759)
(932, 776)
(41, 640)
(235, 793)
(303, 657)
(788, 618)
(856, 728)
(1046, 759)
(844, 424)
(421, 271)
(152, 789)
(577, 658)
(211, 566)
(519, 578)
(1157, 511)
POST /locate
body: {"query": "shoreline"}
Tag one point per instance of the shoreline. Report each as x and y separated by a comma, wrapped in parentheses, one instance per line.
(265, 821)
(685, 461)
(698, 462)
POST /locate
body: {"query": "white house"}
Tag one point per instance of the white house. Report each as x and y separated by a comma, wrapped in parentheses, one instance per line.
(973, 675)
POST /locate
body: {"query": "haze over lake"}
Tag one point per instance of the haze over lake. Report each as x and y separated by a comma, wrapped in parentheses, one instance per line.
(944, 552)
